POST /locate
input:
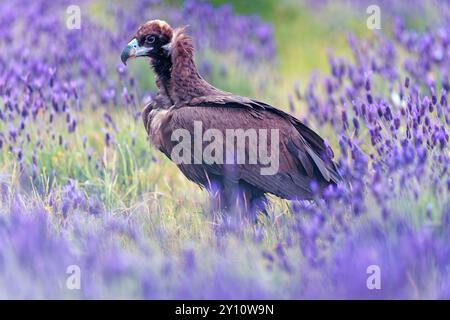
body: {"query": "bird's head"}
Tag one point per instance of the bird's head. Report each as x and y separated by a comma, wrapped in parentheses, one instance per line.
(152, 39)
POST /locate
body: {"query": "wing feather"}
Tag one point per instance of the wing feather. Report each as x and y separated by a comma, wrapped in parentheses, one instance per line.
(298, 164)
(311, 143)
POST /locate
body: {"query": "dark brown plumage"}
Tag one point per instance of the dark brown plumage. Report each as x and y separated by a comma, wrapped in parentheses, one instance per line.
(184, 97)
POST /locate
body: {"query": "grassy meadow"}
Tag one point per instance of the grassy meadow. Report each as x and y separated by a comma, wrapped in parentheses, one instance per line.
(82, 186)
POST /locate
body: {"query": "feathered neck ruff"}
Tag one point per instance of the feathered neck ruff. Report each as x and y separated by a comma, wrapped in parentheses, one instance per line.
(186, 82)
(182, 47)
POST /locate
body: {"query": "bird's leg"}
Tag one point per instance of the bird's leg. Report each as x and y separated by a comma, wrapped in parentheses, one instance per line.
(215, 205)
(258, 204)
(221, 199)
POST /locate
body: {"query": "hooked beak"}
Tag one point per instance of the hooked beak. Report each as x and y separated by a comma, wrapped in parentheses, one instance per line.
(133, 50)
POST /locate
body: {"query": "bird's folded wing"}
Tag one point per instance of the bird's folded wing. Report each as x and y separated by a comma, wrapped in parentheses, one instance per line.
(299, 162)
(310, 141)
(230, 100)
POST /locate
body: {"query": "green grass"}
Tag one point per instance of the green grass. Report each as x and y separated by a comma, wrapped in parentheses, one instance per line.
(304, 36)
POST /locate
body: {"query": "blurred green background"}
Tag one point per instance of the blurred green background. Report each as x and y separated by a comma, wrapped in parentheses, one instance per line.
(306, 31)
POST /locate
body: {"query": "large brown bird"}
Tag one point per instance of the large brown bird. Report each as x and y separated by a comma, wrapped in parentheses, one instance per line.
(185, 98)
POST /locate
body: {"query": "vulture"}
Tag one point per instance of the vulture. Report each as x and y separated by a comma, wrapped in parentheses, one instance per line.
(235, 171)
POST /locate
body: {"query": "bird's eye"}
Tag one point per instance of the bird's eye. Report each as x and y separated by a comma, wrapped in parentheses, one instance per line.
(150, 39)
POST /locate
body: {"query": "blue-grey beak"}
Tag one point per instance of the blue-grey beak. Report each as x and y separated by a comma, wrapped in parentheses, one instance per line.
(133, 50)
